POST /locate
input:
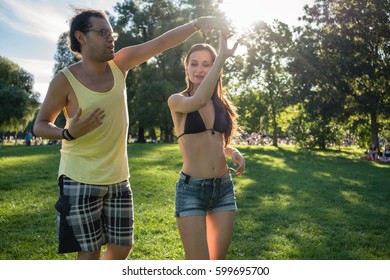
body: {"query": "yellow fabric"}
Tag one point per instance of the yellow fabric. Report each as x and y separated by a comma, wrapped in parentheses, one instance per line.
(100, 156)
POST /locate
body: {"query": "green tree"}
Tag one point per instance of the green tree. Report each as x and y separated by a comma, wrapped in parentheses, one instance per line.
(250, 108)
(64, 57)
(150, 84)
(139, 22)
(18, 100)
(341, 65)
(266, 70)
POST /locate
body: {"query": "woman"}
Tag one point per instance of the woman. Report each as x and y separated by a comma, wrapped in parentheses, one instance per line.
(386, 154)
(204, 124)
(373, 153)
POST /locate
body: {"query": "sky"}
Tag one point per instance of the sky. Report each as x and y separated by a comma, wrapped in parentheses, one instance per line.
(30, 29)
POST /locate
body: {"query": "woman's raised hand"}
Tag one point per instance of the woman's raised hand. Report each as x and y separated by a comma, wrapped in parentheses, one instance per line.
(208, 24)
(223, 45)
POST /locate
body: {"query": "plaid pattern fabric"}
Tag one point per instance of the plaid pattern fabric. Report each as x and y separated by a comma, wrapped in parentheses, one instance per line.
(93, 215)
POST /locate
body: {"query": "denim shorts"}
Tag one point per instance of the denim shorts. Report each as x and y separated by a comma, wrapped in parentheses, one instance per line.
(199, 196)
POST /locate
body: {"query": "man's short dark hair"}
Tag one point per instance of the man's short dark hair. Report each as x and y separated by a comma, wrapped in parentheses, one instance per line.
(80, 22)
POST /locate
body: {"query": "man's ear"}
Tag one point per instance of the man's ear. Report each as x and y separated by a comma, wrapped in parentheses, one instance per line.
(80, 36)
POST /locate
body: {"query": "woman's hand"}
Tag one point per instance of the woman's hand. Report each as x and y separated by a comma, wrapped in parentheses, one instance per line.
(223, 46)
(238, 159)
(81, 126)
(208, 24)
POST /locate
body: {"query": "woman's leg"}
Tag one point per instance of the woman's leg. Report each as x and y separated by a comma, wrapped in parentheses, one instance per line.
(193, 235)
(219, 233)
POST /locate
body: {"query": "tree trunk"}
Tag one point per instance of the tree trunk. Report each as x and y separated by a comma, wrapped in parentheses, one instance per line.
(141, 135)
(275, 131)
(168, 136)
(374, 129)
(152, 134)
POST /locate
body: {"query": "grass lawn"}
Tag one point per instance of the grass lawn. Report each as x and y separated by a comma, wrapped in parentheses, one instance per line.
(293, 205)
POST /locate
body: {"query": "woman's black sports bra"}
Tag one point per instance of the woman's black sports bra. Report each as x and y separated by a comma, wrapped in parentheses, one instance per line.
(194, 123)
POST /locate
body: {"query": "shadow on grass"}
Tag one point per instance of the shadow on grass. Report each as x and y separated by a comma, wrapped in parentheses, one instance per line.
(292, 204)
(311, 205)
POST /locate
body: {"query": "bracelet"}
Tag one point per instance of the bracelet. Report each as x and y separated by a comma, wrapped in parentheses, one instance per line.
(195, 26)
(64, 136)
(66, 131)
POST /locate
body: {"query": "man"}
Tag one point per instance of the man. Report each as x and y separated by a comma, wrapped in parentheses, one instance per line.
(95, 204)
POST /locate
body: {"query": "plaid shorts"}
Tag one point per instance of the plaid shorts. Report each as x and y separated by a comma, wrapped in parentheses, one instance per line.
(92, 215)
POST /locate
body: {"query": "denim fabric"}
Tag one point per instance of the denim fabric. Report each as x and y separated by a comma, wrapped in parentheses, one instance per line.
(198, 196)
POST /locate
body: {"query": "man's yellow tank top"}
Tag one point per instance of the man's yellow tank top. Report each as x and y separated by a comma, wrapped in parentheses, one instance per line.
(100, 156)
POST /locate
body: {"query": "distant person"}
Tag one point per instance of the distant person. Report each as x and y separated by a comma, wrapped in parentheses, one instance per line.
(28, 138)
(95, 205)
(386, 154)
(205, 123)
(372, 153)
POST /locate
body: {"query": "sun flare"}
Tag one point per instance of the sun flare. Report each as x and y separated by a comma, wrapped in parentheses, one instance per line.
(243, 13)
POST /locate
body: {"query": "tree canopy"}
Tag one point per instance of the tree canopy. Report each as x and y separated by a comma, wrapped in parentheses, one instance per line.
(18, 100)
(331, 72)
(319, 83)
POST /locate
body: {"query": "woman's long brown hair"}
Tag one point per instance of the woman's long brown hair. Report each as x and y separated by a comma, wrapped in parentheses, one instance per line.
(221, 103)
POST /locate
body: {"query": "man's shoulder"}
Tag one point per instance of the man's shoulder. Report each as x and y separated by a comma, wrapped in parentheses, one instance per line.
(75, 67)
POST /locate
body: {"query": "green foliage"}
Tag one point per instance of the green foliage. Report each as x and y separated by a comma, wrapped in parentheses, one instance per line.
(292, 204)
(18, 101)
(266, 70)
(363, 136)
(250, 109)
(342, 61)
(334, 67)
(150, 85)
(13, 75)
(64, 57)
